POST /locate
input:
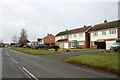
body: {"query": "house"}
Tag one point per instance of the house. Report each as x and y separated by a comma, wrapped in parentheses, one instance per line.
(33, 43)
(61, 39)
(79, 38)
(103, 35)
(49, 39)
(40, 41)
(75, 38)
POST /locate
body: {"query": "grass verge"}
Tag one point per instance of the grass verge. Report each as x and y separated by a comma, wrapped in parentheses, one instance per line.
(81, 49)
(32, 51)
(98, 61)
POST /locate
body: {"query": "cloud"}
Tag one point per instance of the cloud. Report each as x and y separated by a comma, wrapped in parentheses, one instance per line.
(40, 17)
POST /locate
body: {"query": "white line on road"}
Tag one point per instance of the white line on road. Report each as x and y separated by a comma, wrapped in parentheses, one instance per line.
(29, 73)
(8, 55)
(24, 71)
(13, 60)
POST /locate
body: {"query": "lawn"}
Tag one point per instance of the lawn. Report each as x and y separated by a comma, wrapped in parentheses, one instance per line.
(100, 61)
(80, 49)
(33, 51)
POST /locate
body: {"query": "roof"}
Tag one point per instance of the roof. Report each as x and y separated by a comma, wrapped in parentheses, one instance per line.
(63, 33)
(83, 29)
(107, 25)
(62, 40)
(48, 35)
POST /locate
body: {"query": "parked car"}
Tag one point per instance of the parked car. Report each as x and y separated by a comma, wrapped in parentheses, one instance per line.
(26, 46)
(115, 46)
(40, 46)
(53, 47)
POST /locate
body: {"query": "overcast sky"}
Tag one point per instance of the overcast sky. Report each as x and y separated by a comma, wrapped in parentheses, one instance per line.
(42, 17)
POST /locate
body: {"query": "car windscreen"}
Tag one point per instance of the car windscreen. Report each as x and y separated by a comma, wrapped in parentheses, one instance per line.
(117, 43)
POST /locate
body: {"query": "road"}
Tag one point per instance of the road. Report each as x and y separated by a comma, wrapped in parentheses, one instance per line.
(19, 65)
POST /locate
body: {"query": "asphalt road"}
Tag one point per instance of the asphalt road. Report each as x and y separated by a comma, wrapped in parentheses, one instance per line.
(19, 65)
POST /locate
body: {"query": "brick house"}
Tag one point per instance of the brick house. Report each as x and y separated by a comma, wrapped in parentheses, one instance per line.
(49, 39)
(75, 38)
(103, 35)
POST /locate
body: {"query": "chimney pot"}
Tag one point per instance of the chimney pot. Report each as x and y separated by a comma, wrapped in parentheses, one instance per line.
(105, 21)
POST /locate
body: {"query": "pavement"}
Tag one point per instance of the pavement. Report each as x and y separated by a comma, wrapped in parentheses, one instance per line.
(20, 65)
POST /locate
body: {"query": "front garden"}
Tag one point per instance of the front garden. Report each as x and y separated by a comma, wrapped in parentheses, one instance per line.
(107, 61)
(33, 51)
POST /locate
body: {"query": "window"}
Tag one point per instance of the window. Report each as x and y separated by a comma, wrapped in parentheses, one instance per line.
(73, 44)
(65, 36)
(112, 31)
(103, 32)
(70, 35)
(95, 33)
(74, 35)
(94, 43)
(81, 34)
(61, 45)
(61, 37)
(81, 43)
(51, 39)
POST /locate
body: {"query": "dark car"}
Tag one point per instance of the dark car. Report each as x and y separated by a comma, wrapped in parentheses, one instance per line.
(54, 47)
(115, 46)
(40, 46)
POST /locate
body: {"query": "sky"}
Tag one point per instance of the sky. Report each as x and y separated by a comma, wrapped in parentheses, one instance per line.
(42, 17)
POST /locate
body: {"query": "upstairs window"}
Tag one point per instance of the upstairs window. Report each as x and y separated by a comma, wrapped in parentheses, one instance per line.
(81, 34)
(95, 33)
(74, 35)
(103, 32)
(51, 39)
(112, 31)
(70, 35)
(66, 37)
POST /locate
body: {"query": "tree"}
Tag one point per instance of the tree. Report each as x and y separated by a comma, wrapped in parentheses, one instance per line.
(23, 38)
(15, 39)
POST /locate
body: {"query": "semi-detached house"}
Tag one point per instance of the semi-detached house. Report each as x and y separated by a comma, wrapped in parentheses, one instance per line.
(75, 38)
(102, 36)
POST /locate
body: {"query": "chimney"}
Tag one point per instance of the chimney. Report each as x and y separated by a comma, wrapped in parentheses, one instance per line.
(48, 34)
(105, 21)
(84, 25)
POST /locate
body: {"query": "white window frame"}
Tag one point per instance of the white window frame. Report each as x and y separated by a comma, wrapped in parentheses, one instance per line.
(112, 31)
(95, 33)
(103, 32)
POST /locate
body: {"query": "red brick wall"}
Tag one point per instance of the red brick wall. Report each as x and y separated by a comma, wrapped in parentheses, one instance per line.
(81, 46)
(87, 40)
(47, 39)
(93, 46)
(118, 32)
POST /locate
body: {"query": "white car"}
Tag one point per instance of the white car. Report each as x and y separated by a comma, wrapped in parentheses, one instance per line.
(115, 46)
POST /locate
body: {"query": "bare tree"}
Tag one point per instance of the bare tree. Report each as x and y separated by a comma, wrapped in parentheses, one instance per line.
(15, 39)
(23, 38)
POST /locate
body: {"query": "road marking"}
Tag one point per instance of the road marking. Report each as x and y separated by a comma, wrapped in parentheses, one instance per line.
(13, 60)
(29, 73)
(8, 55)
(24, 71)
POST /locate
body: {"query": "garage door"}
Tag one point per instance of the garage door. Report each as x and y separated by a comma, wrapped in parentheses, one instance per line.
(109, 43)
